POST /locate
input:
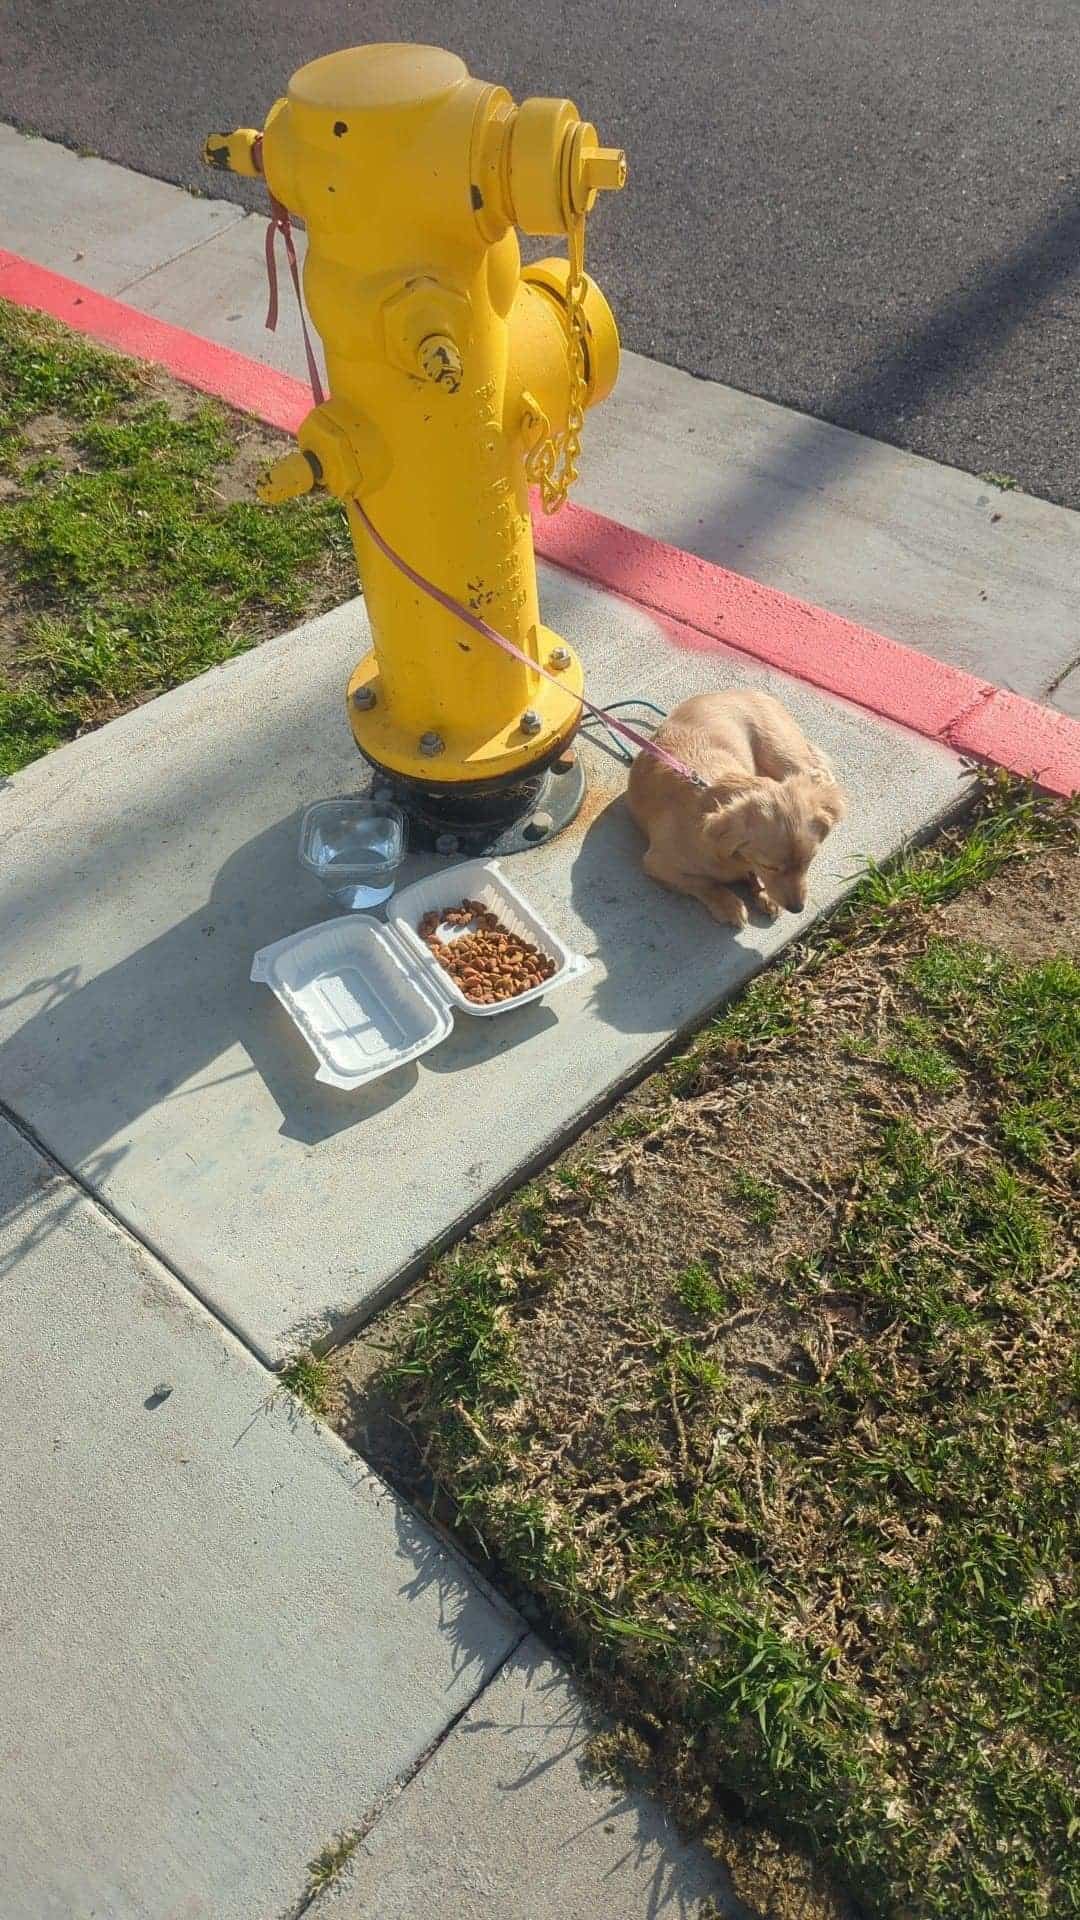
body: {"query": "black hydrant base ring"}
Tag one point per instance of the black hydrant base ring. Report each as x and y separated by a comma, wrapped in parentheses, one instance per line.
(547, 808)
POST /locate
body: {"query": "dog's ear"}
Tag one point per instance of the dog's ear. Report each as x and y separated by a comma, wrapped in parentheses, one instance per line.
(828, 804)
(727, 810)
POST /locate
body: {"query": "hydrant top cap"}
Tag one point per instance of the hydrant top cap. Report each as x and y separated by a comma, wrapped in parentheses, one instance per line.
(386, 74)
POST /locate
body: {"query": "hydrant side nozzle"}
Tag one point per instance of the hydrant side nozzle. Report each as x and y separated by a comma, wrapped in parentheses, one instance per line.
(288, 478)
(557, 166)
(236, 152)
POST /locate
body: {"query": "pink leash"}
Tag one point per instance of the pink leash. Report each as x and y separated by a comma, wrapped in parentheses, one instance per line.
(474, 621)
(280, 223)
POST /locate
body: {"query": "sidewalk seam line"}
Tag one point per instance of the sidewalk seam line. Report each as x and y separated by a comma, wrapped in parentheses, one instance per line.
(403, 1781)
(196, 246)
(116, 1219)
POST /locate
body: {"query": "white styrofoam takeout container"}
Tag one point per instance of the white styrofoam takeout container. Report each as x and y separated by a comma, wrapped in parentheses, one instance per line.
(368, 998)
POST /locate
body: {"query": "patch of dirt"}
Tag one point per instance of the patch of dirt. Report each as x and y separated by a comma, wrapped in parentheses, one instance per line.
(1030, 922)
(257, 447)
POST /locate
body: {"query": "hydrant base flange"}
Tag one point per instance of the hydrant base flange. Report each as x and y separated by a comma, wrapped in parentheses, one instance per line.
(498, 821)
(474, 755)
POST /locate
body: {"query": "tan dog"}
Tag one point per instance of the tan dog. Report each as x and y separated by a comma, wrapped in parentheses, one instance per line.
(770, 800)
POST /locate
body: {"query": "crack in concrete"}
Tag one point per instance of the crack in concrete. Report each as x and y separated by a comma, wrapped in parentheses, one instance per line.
(982, 699)
(1060, 678)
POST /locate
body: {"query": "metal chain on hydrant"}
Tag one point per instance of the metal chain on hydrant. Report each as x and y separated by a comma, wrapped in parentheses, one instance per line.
(553, 465)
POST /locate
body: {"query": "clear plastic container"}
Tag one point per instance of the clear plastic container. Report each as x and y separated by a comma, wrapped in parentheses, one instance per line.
(355, 847)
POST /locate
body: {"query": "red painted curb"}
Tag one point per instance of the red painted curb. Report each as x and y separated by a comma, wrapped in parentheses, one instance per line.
(710, 604)
(229, 376)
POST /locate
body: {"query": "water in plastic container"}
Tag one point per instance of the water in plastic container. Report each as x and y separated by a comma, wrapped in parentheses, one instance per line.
(355, 848)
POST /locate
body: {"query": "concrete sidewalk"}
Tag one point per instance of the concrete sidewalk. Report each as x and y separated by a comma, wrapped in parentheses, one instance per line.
(149, 861)
(225, 1645)
(933, 557)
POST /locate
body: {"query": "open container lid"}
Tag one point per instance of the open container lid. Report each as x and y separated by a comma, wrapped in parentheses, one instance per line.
(368, 998)
(358, 997)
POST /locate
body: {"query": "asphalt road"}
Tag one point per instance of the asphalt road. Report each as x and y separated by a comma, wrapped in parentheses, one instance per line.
(866, 209)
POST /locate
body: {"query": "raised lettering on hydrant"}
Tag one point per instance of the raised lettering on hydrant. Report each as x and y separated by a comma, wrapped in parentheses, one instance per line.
(455, 379)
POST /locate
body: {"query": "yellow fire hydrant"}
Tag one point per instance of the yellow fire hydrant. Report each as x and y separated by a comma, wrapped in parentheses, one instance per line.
(455, 379)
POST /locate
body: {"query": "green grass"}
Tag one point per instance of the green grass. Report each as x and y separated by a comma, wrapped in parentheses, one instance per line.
(850, 1596)
(307, 1378)
(1022, 1024)
(134, 574)
(763, 1016)
(917, 1056)
(1010, 821)
(699, 1292)
(757, 1200)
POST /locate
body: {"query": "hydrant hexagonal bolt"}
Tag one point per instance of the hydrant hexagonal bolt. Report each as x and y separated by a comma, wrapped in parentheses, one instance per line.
(449, 368)
(363, 699)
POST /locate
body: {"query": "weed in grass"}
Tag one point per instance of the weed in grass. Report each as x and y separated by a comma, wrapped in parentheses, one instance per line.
(30, 725)
(583, 1179)
(698, 1290)
(919, 1219)
(1022, 1024)
(768, 1010)
(1011, 820)
(463, 1352)
(531, 1220)
(756, 1199)
(694, 1374)
(635, 1126)
(307, 1378)
(1037, 1130)
(43, 371)
(762, 1017)
(636, 1452)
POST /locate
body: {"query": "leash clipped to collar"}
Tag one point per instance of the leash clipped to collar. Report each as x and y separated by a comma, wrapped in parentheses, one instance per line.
(281, 224)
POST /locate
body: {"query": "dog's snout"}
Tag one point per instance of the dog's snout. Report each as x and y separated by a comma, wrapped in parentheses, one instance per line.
(794, 895)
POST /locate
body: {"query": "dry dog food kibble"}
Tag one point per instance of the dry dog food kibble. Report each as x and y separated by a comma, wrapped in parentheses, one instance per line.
(488, 964)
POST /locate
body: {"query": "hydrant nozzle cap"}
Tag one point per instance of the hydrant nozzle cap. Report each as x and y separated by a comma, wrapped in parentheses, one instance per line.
(236, 152)
(557, 166)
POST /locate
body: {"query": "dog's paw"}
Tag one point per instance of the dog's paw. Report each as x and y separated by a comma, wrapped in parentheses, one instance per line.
(729, 913)
(761, 899)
